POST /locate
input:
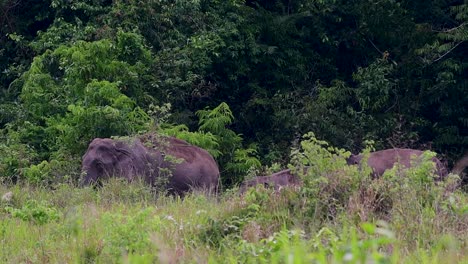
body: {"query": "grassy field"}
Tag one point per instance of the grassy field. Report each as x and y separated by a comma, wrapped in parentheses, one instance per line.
(338, 215)
(122, 223)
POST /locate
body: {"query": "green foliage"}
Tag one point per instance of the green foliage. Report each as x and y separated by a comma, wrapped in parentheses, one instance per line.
(129, 233)
(374, 89)
(405, 192)
(446, 93)
(218, 232)
(104, 112)
(124, 222)
(391, 71)
(216, 120)
(19, 23)
(223, 143)
(243, 161)
(36, 212)
(331, 190)
(15, 157)
(38, 173)
(292, 246)
(236, 160)
(61, 77)
(328, 183)
(75, 93)
(347, 116)
(61, 32)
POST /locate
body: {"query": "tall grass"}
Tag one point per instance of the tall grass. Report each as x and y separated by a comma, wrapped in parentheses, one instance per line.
(339, 215)
(124, 223)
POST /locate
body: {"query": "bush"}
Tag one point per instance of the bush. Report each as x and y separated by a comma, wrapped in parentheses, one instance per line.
(39, 173)
(73, 94)
(293, 246)
(328, 183)
(36, 212)
(15, 156)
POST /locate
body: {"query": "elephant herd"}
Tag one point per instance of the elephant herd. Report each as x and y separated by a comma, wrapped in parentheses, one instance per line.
(187, 167)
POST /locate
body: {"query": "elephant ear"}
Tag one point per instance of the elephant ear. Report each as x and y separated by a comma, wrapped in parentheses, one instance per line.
(123, 151)
(353, 160)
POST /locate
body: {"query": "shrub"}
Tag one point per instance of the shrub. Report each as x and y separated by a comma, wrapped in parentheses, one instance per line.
(73, 94)
(38, 173)
(36, 212)
(15, 156)
(327, 246)
(328, 183)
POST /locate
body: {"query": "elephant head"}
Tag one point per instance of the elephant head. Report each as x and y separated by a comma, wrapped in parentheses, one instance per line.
(106, 158)
(354, 159)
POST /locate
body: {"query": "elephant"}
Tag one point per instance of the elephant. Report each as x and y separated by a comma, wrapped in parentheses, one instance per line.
(186, 165)
(276, 180)
(380, 161)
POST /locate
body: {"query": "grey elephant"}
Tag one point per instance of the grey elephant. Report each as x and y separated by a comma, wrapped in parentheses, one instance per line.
(275, 181)
(380, 161)
(185, 165)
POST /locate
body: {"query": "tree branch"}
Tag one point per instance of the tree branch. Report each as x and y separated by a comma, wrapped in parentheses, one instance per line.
(450, 29)
(384, 54)
(446, 53)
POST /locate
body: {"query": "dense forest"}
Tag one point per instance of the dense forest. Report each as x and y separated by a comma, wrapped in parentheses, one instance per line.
(243, 79)
(286, 88)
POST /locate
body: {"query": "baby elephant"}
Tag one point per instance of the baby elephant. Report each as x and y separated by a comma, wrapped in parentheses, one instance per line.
(275, 181)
